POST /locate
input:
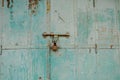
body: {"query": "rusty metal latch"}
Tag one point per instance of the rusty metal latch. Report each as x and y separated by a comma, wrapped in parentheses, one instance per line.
(53, 35)
(55, 38)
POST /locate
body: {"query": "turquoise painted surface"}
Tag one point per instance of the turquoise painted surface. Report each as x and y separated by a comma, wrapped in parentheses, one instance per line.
(106, 19)
(91, 53)
(108, 62)
(63, 65)
(22, 26)
(62, 21)
(23, 64)
(85, 24)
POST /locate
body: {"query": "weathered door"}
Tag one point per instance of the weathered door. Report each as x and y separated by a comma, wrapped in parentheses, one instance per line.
(92, 52)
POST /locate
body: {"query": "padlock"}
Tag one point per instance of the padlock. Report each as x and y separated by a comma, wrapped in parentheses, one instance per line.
(54, 47)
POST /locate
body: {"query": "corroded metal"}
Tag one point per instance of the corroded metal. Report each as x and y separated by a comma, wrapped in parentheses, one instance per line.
(53, 35)
(55, 38)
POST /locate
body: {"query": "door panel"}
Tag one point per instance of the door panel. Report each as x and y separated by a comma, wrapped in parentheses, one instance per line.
(23, 23)
(86, 34)
(63, 65)
(15, 26)
(38, 24)
(23, 64)
(62, 20)
(106, 19)
(86, 64)
(1, 25)
(108, 64)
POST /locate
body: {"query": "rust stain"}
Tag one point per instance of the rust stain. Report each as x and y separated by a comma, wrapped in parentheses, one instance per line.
(1, 50)
(48, 6)
(96, 48)
(111, 46)
(33, 5)
(2, 3)
(9, 3)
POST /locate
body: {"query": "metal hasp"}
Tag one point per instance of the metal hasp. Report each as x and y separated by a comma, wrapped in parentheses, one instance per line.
(52, 35)
(55, 38)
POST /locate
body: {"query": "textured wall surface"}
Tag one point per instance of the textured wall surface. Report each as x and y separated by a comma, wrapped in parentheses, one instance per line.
(92, 52)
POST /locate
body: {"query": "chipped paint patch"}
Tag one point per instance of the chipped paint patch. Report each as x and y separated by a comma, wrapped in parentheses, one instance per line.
(48, 6)
(33, 5)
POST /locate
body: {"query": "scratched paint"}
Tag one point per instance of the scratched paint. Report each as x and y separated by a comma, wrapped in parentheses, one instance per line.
(62, 21)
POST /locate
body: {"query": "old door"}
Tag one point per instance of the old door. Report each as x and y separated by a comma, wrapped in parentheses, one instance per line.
(92, 51)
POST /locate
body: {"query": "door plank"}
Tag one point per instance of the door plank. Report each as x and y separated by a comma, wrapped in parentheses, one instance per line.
(23, 64)
(15, 24)
(24, 24)
(107, 27)
(108, 64)
(86, 64)
(38, 25)
(63, 65)
(86, 33)
(62, 20)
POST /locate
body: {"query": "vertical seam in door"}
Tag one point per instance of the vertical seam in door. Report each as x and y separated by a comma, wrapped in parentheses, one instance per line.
(1, 31)
(117, 20)
(48, 24)
(75, 34)
(96, 48)
(48, 10)
(117, 2)
(75, 21)
(49, 64)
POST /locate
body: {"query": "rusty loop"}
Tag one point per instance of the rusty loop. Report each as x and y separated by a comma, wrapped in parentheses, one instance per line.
(55, 39)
